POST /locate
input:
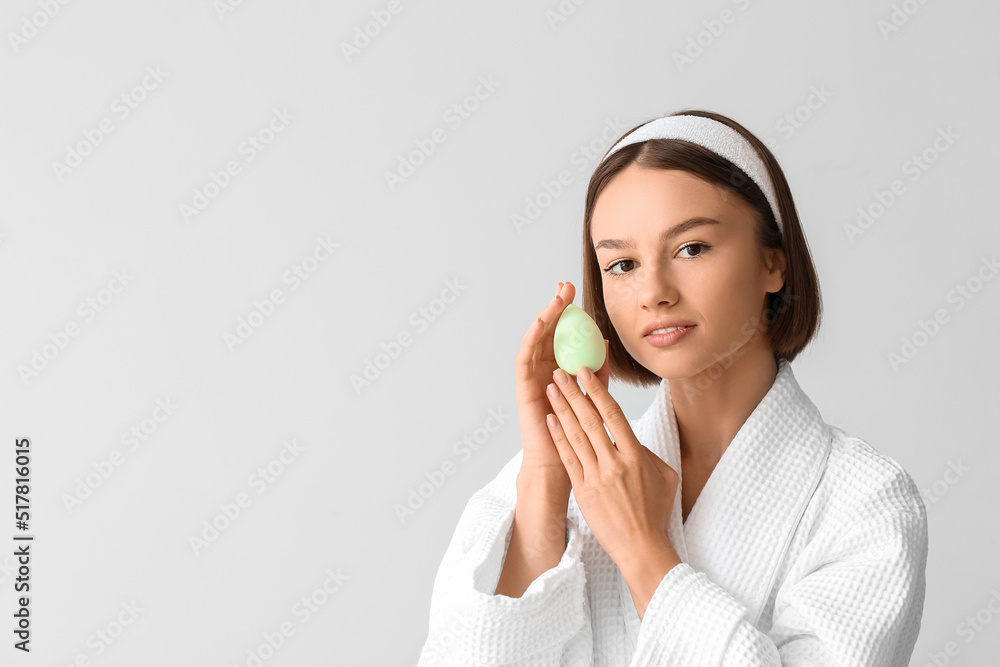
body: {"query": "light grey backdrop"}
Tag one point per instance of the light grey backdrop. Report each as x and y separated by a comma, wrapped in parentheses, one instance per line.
(167, 167)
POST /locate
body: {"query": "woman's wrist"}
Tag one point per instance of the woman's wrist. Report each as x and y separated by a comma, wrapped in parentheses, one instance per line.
(549, 489)
(540, 515)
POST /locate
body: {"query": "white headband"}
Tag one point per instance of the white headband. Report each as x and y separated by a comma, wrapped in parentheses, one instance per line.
(716, 137)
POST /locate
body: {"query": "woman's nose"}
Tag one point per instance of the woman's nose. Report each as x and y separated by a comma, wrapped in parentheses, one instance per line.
(656, 288)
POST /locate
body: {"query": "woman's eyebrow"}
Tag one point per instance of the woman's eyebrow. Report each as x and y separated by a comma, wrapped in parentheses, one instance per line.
(666, 235)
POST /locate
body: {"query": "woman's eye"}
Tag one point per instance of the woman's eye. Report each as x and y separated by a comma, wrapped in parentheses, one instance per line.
(610, 270)
(700, 246)
(694, 249)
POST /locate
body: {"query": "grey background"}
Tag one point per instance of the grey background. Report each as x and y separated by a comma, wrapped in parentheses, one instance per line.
(558, 85)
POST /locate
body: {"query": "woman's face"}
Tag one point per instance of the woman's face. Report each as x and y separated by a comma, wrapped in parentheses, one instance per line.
(673, 246)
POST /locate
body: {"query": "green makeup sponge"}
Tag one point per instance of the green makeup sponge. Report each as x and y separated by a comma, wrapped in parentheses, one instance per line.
(577, 341)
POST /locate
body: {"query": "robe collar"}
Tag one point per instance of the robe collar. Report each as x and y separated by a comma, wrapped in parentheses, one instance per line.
(742, 522)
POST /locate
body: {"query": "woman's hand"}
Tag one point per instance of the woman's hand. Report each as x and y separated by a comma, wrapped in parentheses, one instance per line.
(534, 364)
(624, 491)
(538, 534)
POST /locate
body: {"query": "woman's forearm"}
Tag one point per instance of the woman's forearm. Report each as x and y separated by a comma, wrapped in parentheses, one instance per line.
(538, 535)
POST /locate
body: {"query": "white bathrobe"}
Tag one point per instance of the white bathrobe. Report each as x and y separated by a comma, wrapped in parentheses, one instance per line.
(806, 546)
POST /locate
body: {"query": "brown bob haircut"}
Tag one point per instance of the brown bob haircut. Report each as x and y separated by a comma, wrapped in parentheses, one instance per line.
(791, 315)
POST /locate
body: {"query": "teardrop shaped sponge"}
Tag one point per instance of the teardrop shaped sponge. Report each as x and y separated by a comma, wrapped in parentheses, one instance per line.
(577, 341)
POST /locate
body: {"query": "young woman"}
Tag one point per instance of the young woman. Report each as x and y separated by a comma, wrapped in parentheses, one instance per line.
(729, 525)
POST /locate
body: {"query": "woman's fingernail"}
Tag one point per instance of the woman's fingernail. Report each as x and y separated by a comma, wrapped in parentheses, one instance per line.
(560, 376)
(584, 374)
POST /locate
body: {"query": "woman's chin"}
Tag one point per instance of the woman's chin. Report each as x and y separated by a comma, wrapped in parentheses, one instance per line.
(680, 365)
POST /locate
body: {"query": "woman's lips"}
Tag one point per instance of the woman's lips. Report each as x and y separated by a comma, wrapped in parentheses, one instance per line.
(665, 339)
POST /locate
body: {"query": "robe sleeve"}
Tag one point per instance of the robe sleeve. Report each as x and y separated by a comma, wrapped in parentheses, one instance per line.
(859, 603)
(549, 625)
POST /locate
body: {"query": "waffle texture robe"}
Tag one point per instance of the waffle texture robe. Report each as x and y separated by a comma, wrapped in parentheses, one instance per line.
(806, 546)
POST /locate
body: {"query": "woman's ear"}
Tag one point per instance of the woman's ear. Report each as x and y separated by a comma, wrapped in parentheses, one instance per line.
(776, 268)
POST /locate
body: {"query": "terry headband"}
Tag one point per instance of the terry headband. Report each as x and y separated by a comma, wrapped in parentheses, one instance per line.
(716, 137)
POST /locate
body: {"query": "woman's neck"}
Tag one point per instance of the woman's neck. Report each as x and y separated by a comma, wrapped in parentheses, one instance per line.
(710, 412)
